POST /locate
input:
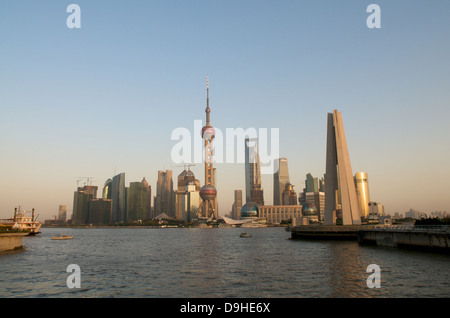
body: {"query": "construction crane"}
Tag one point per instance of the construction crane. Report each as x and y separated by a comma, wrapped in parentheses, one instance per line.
(88, 180)
(184, 166)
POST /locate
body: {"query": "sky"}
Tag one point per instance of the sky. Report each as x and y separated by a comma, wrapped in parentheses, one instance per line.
(105, 98)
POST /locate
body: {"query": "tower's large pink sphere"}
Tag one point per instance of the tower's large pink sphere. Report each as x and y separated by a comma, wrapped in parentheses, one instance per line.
(208, 192)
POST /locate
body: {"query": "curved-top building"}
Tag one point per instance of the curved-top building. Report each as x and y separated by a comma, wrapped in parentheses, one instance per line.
(107, 189)
(362, 190)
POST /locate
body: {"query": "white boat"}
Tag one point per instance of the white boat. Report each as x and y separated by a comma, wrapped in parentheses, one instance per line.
(22, 222)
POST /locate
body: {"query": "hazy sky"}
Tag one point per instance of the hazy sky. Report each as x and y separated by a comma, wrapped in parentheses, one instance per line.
(105, 98)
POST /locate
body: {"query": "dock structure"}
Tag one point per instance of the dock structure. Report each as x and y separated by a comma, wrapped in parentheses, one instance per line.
(11, 241)
(326, 232)
(431, 238)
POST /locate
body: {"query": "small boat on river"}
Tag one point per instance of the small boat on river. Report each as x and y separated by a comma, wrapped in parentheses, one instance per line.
(62, 237)
(245, 235)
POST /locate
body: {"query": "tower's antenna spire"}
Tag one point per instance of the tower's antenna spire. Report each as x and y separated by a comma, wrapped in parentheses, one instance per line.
(207, 100)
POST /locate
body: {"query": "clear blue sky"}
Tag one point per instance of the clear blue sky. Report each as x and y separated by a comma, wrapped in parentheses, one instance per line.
(105, 98)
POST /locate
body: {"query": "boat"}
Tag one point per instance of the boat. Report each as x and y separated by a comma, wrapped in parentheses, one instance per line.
(24, 223)
(245, 235)
(62, 237)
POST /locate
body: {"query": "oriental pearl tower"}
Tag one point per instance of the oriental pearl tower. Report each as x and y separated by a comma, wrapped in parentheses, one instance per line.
(208, 192)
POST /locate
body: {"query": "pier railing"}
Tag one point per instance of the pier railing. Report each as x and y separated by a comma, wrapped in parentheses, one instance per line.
(410, 227)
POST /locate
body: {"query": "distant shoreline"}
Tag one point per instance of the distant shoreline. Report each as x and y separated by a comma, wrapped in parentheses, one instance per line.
(146, 226)
(101, 226)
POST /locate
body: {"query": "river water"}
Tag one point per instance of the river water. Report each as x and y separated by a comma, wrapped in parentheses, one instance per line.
(203, 262)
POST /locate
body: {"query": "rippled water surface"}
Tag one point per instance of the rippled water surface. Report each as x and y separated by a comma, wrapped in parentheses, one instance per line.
(141, 262)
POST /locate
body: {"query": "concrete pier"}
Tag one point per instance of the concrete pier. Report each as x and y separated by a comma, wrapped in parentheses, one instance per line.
(11, 241)
(431, 238)
(326, 232)
(424, 238)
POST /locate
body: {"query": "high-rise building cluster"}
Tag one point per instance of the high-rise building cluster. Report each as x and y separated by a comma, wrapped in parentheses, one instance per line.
(285, 205)
(133, 204)
(338, 198)
(313, 195)
(117, 204)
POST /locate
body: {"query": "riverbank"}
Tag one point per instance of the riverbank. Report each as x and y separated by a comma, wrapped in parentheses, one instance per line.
(201, 225)
(105, 226)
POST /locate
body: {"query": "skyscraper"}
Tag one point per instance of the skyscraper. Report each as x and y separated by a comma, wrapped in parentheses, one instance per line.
(81, 202)
(164, 199)
(314, 193)
(237, 205)
(190, 200)
(289, 195)
(311, 183)
(208, 193)
(100, 211)
(253, 186)
(180, 192)
(138, 201)
(362, 189)
(280, 180)
(62, 213)
(118, 198)
(185, 177)
(89, 189)
(340, 191)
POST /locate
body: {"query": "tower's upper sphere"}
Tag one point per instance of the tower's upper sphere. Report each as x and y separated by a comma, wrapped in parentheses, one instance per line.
(208, 132)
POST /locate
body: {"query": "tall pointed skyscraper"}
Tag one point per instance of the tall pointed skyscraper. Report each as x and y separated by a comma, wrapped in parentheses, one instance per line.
(208, 192)
(340, 191)
(253, 184)
(280, 180)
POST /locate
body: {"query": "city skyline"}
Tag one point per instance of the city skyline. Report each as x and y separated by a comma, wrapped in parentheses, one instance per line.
(104, 99)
